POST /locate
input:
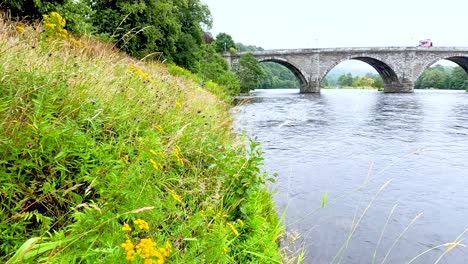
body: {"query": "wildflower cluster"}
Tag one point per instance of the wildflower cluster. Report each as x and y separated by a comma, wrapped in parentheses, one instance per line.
(175, 196)
(156, 165)
(139, 72)
(178, 156)
(54, 26)
(142, 224)
(234, 230)
(145, 248)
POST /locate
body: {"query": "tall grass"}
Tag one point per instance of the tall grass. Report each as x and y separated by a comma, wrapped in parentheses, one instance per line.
(92, 140)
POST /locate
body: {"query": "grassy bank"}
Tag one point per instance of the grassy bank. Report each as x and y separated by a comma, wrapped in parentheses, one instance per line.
(105, 159)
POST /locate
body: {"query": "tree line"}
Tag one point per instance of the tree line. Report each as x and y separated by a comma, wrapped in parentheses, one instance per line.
(370, 80)
(443, 77)
(437, 77)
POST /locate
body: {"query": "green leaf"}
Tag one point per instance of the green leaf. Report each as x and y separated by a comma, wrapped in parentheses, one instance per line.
(25, 248)
(324, 199)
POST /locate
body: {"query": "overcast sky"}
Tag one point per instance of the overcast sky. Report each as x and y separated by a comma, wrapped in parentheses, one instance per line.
(275, 24)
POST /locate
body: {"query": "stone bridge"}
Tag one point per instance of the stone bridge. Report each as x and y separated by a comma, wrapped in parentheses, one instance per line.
(399, 67)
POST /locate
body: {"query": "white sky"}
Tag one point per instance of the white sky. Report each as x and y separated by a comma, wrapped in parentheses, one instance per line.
(276, 24)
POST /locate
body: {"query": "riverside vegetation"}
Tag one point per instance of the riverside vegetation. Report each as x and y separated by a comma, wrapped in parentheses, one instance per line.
(108, 159)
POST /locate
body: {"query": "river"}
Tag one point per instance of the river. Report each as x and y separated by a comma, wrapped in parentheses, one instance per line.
(393, 167)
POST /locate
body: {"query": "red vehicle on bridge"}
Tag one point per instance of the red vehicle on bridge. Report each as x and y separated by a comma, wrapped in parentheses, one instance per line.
(425, 43)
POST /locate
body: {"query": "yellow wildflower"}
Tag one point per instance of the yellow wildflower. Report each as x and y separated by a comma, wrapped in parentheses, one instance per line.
(139, 72)
(177, 155)
(158, 127)
(178, 104)
(128, 245)
(155, 164)
(56, 16)
(49, 25)
(129, 249)
(154, 152)
(142, 224)
(126, 227)
(168, 246)
(125, 159)
(225, 250)
(20, 29)
(240, 222)
(145, 248)
(175, 196)
(234, 230)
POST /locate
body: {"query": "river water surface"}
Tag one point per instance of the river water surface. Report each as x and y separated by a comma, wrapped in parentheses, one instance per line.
(394, 167)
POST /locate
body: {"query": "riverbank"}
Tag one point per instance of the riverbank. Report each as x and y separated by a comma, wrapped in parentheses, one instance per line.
(108, 159)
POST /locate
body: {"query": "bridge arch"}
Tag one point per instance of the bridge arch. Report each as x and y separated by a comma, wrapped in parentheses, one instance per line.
(458, 59)
(389, 77)
(290, 66)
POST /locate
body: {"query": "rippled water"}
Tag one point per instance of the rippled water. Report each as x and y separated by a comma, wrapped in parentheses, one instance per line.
(349, 143)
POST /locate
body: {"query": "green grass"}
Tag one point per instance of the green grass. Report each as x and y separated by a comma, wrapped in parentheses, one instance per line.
(91, 139)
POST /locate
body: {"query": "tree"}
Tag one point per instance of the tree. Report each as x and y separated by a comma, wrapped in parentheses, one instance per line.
(364, 82)
(212, 66)
(167, 27)
(192, 16)
(277, 76)
(458, 78)
(247, 48)
(224, 43)
(249, 72)
(345, 80)
(378, 81)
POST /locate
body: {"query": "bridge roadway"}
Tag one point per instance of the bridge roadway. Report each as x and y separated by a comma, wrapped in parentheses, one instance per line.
(399, 67)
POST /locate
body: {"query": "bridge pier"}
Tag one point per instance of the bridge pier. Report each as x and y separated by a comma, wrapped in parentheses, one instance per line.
(403, 87)
(308, 88)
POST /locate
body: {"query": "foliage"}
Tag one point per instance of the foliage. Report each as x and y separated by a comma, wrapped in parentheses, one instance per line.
(213, 67)
(91, 139)
(345, 80)
(224, 43)
(277, 76)
(76, 13)
(54, 26)
(179, 71)
(370, 80)
(443, 77)
(249, 72)
(170, 28)
(247, 48)
(378, 81)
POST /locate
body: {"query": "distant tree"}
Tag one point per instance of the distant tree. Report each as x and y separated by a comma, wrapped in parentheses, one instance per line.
(458, 78)
(434, 77)
(249, 72)
(247, 48)
(345, 80)
(378, 81)
(364, 82)
(277, 76)
(224, 43)
(324, 83)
